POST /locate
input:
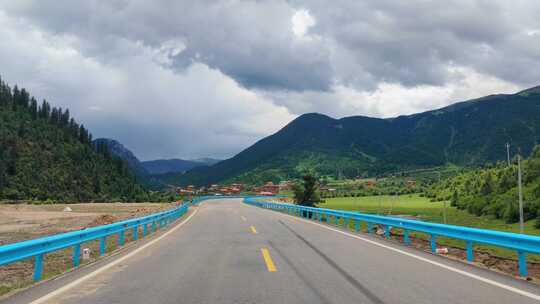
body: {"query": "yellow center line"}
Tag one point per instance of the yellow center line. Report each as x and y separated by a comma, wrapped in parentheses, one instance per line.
(268, 260)
(253, 230)
(244, 218)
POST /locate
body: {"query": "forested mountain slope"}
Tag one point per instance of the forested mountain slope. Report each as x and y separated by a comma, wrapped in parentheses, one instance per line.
(46, 155)
(466, 134)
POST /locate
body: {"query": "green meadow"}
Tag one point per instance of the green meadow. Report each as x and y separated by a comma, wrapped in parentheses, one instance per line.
(422, 209)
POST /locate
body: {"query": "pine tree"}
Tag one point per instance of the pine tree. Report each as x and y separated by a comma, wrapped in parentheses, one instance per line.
(24, 99)
(16, 96)
(45, 110)
(64, 119)
(33, 108)
(487, 186)
(54, 116)
(454, 202)
(83, 135)
(306, 194)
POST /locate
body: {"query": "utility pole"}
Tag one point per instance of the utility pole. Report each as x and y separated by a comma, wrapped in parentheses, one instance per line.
(508, 153)
(520, 195)
(444, 201)
(380, 203)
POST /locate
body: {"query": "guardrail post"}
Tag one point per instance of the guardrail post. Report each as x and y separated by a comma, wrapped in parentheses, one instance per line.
(153, 226)
(122, 238)
(470, 251)
(406, 238)
(145, 229)
(433, 241)
(387, 231)
(357, 225)
(346, 223)
(102, 244)
(336, 220)
(522, 260)
(135, 232)
(38, 267)
(76, 255)
(327, 217)
(369, 228)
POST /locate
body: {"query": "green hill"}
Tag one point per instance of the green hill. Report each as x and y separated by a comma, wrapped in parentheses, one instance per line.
(46, 155)
(465, 134)
(492, 190)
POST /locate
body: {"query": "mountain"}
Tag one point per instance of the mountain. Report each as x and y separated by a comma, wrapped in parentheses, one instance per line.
(162, 166)
(467, 133)
(46, 155)
(124, 153)
(153, 174)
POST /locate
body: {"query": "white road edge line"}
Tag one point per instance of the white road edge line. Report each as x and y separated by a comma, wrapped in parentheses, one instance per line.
(462, 272)
(67, 287)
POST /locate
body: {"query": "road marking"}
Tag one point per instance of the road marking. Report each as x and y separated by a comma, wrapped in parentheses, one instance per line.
(253, 229)
(244, 218)
(412, 255)
(67, 287)
(268, 260)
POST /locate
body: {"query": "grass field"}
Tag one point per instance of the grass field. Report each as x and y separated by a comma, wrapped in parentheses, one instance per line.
(422, 209)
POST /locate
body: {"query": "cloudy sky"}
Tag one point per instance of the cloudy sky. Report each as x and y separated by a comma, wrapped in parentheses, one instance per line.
(190, 79)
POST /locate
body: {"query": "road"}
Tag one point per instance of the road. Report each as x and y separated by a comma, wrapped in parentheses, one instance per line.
(229, 252)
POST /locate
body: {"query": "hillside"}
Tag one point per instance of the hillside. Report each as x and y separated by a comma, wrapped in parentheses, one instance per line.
(492, 190)
(46, 155)
(468, 133)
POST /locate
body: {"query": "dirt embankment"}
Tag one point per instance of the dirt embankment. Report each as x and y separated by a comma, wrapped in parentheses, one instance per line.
(19, 222)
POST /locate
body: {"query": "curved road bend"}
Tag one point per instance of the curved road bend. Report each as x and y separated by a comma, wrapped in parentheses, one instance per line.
(230, 252)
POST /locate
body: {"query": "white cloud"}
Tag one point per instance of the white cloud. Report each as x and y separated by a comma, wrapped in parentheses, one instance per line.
(151, 109)
(301, 22)
(393, 99)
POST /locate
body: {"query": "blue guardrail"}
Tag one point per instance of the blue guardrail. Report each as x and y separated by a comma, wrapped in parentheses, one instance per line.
(37, 248)
(522, 243)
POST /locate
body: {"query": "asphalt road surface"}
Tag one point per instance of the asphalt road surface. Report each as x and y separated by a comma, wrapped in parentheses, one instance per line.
(229, 252)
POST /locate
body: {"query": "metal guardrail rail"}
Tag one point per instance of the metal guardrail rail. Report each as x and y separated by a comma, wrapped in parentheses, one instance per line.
(37, 248)
(522, 243)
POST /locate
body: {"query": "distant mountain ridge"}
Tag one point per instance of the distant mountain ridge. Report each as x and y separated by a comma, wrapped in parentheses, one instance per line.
(466, 133)
(162, 166)
(116, 148)
(144, 169)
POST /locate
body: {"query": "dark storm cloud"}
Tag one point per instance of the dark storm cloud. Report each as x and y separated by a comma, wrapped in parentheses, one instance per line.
(414, 42)
(408, 42)
(249, 41)
(226, 73)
